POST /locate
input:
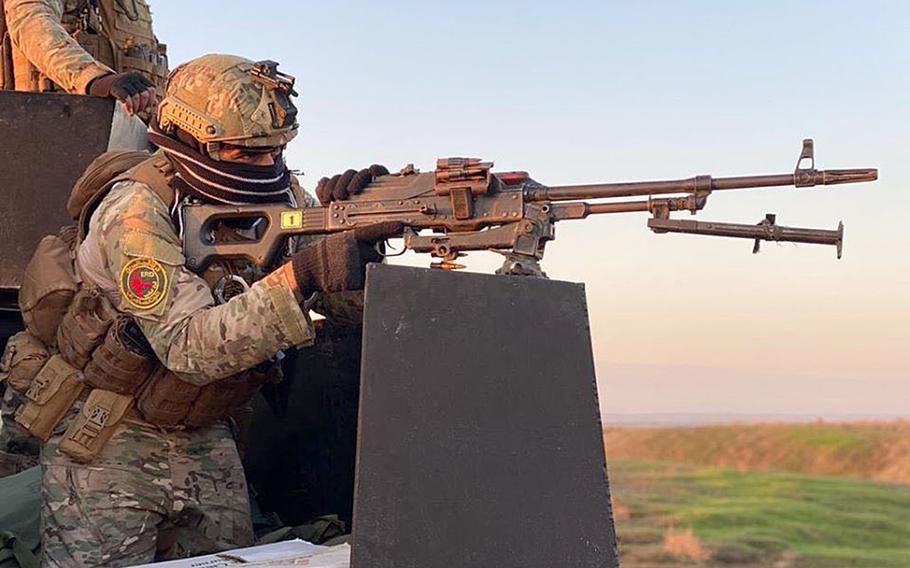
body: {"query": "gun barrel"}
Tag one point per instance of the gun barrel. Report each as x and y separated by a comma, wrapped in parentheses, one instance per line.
(800, 178)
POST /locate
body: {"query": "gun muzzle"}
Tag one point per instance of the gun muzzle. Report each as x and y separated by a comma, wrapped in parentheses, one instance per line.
(834, 177)
(767, 230)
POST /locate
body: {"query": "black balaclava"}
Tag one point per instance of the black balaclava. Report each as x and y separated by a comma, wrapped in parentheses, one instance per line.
(224, 182)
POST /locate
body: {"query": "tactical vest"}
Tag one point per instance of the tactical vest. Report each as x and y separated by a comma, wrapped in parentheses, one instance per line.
(77, 347)
(117, 33)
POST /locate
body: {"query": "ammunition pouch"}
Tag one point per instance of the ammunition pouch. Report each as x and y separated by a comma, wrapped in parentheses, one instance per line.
(136, 48)
(84, 326)
(222, 398)
(48, 288)
(97, 45)
(149, 64)
(123, 361)
(93, 427)
(53, 391)
(23, 358)
(166, 399)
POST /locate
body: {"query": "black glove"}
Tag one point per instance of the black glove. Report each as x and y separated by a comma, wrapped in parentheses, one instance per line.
(342, 186)
(338, 262)
(133, 89)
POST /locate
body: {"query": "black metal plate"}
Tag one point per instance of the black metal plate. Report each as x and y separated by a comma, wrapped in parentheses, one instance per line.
(46, 142)
(479, 441)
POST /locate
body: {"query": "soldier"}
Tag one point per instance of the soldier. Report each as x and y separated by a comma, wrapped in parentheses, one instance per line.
(99, 47)
(96, 47)
(147, 467)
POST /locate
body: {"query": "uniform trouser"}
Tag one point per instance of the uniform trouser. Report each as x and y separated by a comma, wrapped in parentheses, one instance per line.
(148, 496)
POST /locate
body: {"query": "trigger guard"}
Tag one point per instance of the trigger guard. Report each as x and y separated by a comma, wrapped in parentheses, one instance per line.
(383, 245)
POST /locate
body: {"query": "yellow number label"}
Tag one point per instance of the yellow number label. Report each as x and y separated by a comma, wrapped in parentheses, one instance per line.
(292, 219)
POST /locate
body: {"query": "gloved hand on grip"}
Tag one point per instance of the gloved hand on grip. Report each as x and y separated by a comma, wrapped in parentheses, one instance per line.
(341, 186)
(133, 89)
(338, 262)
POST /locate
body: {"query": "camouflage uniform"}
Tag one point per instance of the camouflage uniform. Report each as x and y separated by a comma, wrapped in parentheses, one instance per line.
(46, 38)
(152, 493)
(47, 55)
(158, 492)
(51, 51)
(190, 335)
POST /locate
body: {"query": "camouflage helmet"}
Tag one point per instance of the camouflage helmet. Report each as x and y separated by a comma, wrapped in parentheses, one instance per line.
(228, 99)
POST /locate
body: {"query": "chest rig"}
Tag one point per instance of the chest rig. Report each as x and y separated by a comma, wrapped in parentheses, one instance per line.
(117, 33)
(88, 351)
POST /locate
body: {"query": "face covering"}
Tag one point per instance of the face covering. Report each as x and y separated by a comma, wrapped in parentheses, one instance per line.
(223, 182)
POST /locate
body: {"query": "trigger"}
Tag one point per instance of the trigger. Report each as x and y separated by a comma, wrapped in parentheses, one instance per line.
(383, 246)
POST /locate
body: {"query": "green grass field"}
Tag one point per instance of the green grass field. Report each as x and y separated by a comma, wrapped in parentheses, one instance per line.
(779, 495)
(716, 512)
(751, 519)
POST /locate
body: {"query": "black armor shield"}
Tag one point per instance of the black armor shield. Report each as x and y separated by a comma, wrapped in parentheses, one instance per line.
(46, 141)
(479, 439)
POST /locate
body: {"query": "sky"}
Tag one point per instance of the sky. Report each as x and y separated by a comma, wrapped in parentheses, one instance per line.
(585, 92)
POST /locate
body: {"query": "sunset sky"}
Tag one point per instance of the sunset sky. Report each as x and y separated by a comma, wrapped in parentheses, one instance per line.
(581, 92)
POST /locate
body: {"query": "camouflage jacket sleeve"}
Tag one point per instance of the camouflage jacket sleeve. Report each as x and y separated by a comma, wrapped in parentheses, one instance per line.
(35, 28)
(192, 336)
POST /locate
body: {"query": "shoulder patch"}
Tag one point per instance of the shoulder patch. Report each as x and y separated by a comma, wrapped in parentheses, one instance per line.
(143, 283)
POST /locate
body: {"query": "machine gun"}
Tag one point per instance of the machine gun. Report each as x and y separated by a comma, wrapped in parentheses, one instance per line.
(468, 207)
